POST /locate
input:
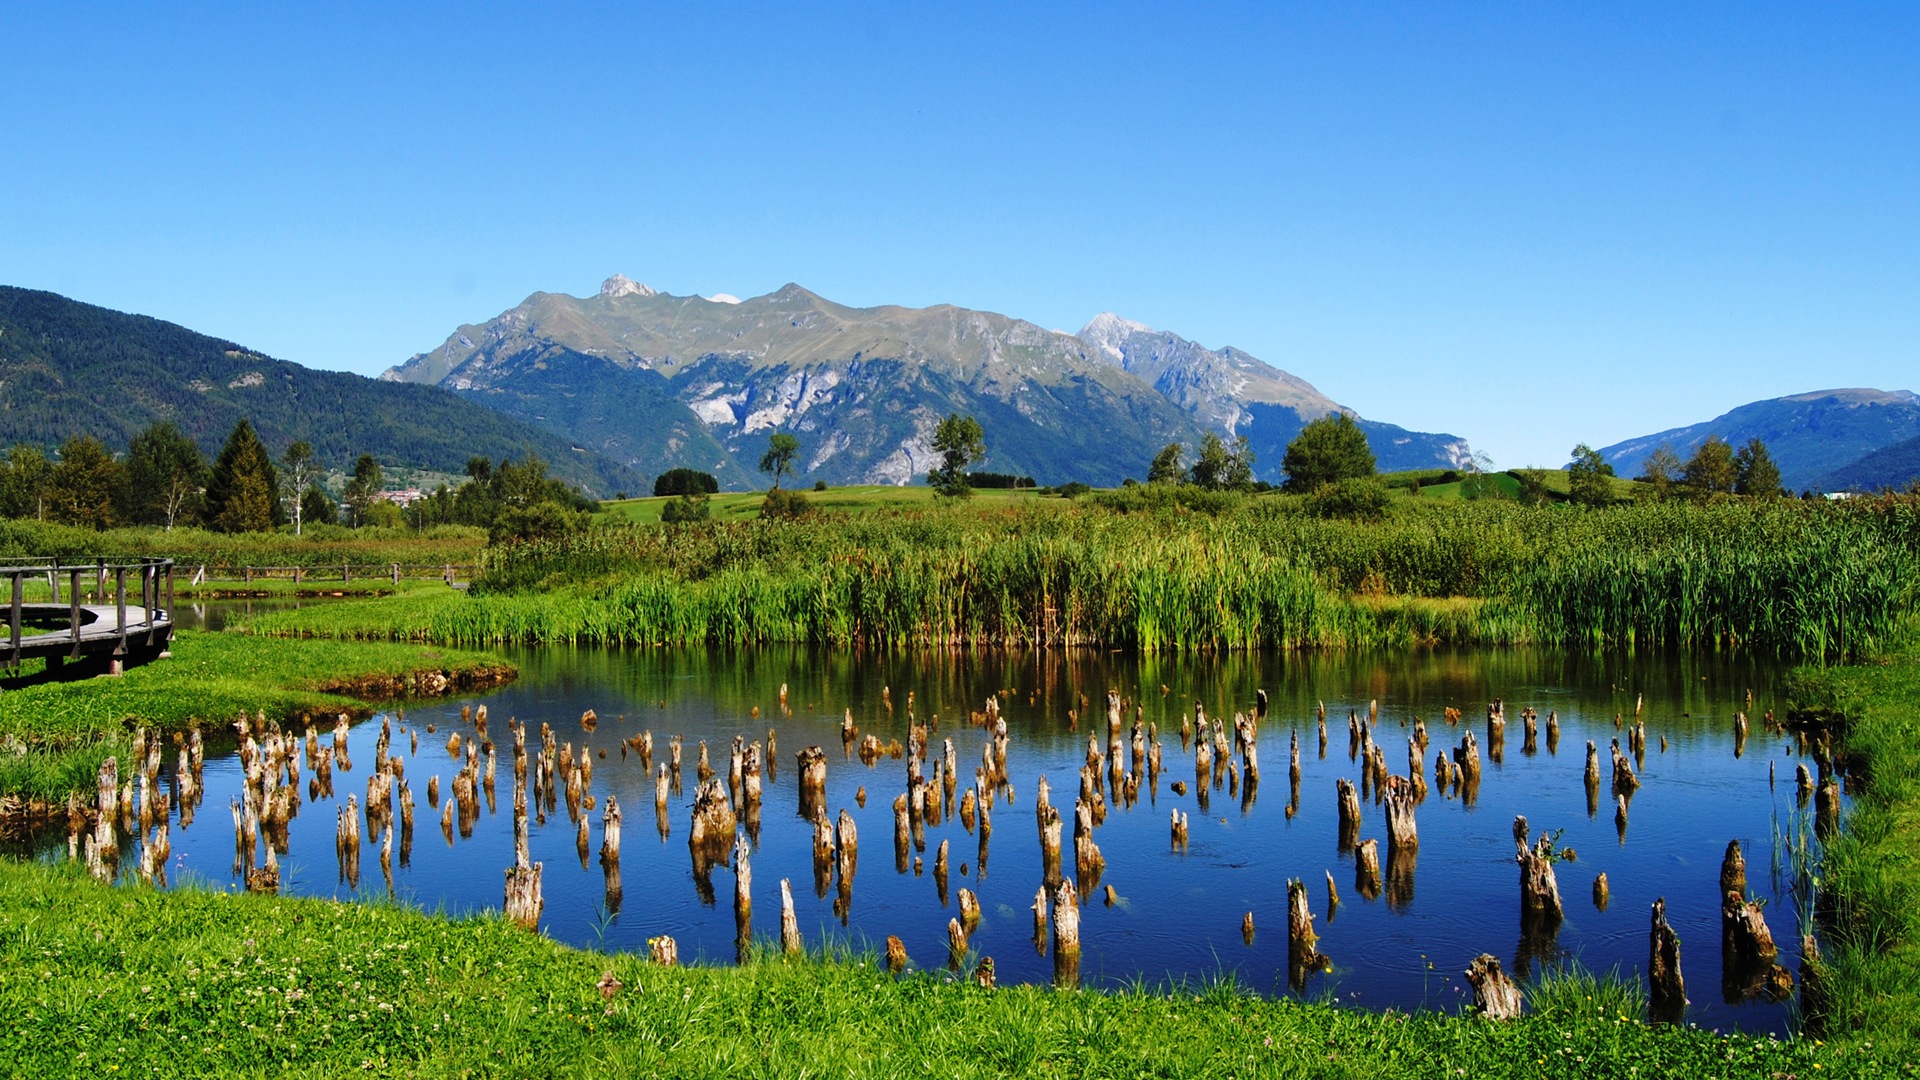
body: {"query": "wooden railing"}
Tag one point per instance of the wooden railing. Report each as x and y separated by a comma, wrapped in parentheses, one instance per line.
(152, 576)
(344, 573)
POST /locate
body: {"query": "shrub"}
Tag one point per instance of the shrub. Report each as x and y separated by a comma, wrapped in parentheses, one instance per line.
(1359, 497)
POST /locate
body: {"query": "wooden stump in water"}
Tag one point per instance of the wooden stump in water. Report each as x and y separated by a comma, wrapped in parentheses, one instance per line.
(813, 782)
(1601, 893)
(790, 941)
(1495, 996)
(1066, 935)
(847, 859)
(1826, 808)
(1050, 846)
(1179, 831)
(1302, 957)
(956, 946)
(1246, 928)
(902, 833)
(1624, 780)
(1403, 833)
(1620, 817)
(742, 898)
(969, 909)
(1539, 891)
(714, 822)
(896, 954)
(1666, 988)
(663, 950)
(523, 899)
(1349, 806)
(1366, 869)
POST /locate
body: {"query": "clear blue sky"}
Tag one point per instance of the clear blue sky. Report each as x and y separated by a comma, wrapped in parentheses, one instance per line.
(1530, 224)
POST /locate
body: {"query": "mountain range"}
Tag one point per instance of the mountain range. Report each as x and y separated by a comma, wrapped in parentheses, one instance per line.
(1827, 440)
(69, 368)
(656, 381)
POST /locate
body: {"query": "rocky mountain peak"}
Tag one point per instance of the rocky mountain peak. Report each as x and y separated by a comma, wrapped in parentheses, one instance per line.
(621, 285)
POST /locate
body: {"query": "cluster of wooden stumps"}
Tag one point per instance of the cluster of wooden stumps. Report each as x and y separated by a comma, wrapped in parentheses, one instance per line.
(726, 811)
(139, 810)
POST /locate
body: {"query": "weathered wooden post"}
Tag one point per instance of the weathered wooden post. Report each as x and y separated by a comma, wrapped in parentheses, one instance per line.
(896, 954)
(902, 833)
(1066, 935)
(742, 898)
(790, 942)
(1349, 803)
(1602, 894)
(1302, 957)
(956, 946)
(1540, 908)
(1495, 996)
(1666, 988)
(713, 822)
(1366, 868)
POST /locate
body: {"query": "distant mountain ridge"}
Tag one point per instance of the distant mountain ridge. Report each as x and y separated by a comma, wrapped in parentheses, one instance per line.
(70, 368)
(660, 381)
(1812, 436)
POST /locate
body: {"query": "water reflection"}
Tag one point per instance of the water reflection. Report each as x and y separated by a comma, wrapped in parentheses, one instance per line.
(1433, 865)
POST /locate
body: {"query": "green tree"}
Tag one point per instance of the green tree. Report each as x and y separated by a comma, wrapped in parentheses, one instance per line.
(1710, 471)
(303, 467)
(684, 481)
(686, 508)
(23, 485)
(165, 475)
(1589, 477)
(1754, 471)
(85, 485)
(778, 459)
(1218, 467)
(1662, 471)
(959, 441)
(1533, 487)
(1167, 467)
(364, 488)
(1478, 483)
(316, 508)
(243, 491)
(1328, 449)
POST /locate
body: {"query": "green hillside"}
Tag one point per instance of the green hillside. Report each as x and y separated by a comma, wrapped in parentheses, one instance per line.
(68, 368)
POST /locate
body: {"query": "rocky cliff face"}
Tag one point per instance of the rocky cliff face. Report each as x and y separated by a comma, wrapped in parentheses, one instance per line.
(661, 381)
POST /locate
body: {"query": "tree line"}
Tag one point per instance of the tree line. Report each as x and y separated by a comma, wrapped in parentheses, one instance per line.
(164, 480)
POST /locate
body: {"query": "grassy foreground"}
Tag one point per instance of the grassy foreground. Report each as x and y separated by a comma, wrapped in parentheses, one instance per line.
(128, 981)
(1871, 870)
(54, 735)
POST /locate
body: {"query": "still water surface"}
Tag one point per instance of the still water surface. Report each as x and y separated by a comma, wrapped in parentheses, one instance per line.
(1179, 914)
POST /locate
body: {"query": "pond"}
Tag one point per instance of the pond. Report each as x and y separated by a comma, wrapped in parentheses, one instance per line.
(1175, 915)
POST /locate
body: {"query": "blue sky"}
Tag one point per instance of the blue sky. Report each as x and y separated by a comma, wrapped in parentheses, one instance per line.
(1531, 224)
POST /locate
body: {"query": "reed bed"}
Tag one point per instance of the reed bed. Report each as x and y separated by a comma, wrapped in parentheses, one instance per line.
(1783, 578)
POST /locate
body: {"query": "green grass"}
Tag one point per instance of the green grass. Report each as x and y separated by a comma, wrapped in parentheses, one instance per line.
(56, 734)
(1870, 872)
(1155, 569)
(129, 981)
(321, 547)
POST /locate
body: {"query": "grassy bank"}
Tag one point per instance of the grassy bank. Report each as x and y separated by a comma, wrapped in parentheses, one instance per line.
(139, 983)
(1146, 570)
(322, 546)
(54, 735)
(1871, 870)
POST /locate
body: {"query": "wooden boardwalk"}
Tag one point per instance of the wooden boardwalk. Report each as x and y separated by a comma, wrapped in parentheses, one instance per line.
(128, 618)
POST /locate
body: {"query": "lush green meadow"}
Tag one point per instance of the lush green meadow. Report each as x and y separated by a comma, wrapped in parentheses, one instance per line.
(53, 735)
(321, 547)
(130, 981)
(1870, 871)
(1146, 570)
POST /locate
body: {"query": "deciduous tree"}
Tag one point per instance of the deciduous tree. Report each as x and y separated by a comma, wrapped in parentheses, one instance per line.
(1167, 467)
(1589, 477)
(1328, 449)
(85, 485)
(778, 460)
(959, 441)
(165, 475)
